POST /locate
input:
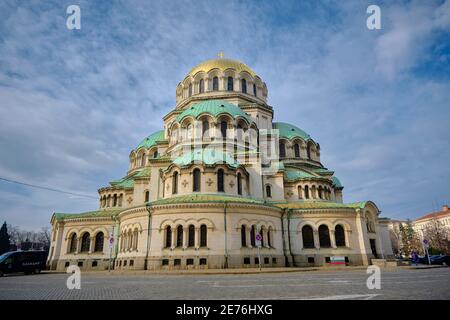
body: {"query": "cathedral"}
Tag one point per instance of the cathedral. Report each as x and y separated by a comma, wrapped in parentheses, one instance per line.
(221, 186)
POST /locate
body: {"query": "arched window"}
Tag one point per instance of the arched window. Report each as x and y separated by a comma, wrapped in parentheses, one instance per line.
(135, 237)
(308, 152)
(73, 243)
(306, 192)
(243, 236)
(297, 150)
(269, 237)
(254, 90)
(223, 129)
(191, 236)
(143, 159)
(147, 196)
(339, 234)
(239, 132)
(320, 192)
(244, 85)
(190, 90)
(230, 86)
(220, 181)
(201, 86)
(308, 237)
(215, 84)
(155, 154)
(189, 131)
(175, 183)
(282, 150)
(203, 235)
(205, 129)
(252, 236)
(168, 237)
(261, 233)
(239, 183)
(196, 182)
(268, 191)
(179, 236)
(99, 239)
(324, 237)
(85, 242)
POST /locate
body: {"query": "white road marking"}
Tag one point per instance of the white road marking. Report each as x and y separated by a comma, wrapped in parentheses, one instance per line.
(345, 297)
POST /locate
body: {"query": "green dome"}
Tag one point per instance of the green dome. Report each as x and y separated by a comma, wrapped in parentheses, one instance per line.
(206, 156)
(213, 108)
(290, 131)
(151, 140)
(336, 182)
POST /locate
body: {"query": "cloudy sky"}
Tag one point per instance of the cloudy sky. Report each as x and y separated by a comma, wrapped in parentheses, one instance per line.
(73, 103)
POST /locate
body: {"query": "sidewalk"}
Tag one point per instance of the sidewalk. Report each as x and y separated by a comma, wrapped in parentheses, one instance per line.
(247, 270)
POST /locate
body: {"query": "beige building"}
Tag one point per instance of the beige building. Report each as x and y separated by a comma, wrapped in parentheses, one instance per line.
(442, 218)
(221, 186)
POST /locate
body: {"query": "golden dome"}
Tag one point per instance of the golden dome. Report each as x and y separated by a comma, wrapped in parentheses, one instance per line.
(221, 64)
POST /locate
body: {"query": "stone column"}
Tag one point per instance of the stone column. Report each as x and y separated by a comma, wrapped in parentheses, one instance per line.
(347, 238)
(248, 237)
(316, 239)
(222, 83)
(173, 234)
(197, 238)
(333, 239)
(91, 245)
(266, 238)
(185, 238)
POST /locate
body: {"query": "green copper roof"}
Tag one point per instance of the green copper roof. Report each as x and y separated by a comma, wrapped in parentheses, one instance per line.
(290, 131)
(214, 108)
(322, 170)
(319, 205)
(151, 140)
(143, 173)
(206, 198)
(336, 182)
(207, 156)
(128, 182)
(291, 174)
(89, 214)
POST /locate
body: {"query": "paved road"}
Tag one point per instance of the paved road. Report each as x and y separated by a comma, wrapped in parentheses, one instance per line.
(348, 284)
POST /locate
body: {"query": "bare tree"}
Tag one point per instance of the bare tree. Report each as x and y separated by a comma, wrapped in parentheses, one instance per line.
(437, 234)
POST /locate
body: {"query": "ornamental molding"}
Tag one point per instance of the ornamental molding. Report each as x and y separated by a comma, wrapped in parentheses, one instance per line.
(216, 205)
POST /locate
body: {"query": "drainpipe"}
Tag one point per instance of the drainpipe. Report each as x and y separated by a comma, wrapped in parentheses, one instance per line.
(225, 229)
(149, 234)
(283, 233)
(289, 236)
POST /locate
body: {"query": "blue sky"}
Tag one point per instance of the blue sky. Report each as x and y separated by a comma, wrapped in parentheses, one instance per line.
(73, 103)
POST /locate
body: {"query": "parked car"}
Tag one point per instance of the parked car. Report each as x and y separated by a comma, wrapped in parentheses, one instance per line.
(22, 261)
(441, 260)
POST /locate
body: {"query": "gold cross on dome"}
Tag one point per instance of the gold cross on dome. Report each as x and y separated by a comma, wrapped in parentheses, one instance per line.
(220, 54)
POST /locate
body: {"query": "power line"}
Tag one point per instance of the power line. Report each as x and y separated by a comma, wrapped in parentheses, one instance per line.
(47, 188)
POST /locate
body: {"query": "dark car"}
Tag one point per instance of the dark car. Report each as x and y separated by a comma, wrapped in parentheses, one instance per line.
(441, 260)
(22, 261)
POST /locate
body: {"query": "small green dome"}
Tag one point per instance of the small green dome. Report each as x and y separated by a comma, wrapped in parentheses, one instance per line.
(336, 182)
(290, 131)
(151, 140)
(213, 108)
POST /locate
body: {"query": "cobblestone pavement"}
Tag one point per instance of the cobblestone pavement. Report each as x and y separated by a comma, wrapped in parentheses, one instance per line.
(343, 284)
